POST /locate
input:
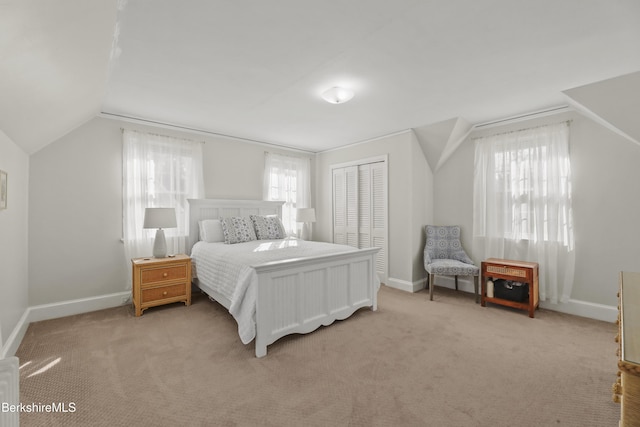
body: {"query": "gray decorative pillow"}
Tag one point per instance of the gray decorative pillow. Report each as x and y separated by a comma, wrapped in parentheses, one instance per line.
(268, 227)
(237, 229)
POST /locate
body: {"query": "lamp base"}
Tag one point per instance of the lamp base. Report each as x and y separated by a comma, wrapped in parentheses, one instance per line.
(306, 232)
(160, 245)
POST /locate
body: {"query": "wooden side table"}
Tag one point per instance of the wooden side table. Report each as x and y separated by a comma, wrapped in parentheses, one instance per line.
(158, 281)
(519, 271)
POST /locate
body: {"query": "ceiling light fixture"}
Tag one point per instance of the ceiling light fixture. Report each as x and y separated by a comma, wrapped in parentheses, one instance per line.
(337, 95)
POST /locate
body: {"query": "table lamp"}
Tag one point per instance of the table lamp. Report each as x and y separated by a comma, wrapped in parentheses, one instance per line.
(306, 216)
(160, 218)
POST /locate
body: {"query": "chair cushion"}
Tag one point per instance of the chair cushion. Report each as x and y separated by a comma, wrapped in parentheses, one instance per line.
(451, 267)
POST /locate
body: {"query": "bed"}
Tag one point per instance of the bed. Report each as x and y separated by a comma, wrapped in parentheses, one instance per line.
(270, 296)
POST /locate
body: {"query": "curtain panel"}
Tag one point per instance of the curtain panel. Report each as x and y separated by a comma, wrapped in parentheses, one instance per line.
(158, 172)
(522, 206)
(288, 179)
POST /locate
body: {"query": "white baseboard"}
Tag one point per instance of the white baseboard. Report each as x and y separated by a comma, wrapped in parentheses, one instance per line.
(591, 310)
(84, 305)
(60, 309)
(15, 338)
(587, 309)
(78, 306)
(405, 285)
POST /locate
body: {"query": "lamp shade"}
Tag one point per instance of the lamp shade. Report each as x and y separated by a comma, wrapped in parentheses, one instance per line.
(306, 215)
(337, 95)
(160, 218)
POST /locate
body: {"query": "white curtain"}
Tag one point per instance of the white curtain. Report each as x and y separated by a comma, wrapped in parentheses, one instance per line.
(158, 172)
(522, 204)
(288, 178)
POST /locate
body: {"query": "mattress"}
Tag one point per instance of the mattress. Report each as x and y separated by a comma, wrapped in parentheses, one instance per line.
(227, 269)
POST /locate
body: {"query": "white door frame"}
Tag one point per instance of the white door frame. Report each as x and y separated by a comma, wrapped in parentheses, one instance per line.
(376, 159)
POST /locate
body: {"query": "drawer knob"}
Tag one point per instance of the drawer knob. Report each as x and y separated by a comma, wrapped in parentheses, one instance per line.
(164, 293)
(165, 274)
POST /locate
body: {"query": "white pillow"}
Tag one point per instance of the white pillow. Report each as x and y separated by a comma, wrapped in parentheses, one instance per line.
(211, 231)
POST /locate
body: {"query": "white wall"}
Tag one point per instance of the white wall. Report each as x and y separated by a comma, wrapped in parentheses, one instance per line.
(13, 238)
(75, 221)
(409, 198)
(422, 199)
(606, 203)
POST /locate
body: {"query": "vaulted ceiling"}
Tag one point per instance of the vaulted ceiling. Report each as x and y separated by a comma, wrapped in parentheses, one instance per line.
(255, 69)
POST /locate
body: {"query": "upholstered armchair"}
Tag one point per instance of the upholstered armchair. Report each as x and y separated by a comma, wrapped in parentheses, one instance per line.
(444, 255)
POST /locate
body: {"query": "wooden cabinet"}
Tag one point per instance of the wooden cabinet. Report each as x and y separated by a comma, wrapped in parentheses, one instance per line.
(518, 271)
(158, 281)
(626, 389)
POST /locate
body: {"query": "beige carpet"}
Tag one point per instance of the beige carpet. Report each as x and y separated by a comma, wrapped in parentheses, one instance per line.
(448, 362)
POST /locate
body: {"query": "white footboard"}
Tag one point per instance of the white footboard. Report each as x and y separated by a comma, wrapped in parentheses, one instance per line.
(299, 296)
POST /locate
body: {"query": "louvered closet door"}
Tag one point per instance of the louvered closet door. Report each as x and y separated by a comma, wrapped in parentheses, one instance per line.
(345, 206)
(351, 178)
(379, 216)
(360, 208)
(364, 206)
(339, 207)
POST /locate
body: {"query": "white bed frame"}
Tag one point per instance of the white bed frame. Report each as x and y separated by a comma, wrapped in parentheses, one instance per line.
(297, 295)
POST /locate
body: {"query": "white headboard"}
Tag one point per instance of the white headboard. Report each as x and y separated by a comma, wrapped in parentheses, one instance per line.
(200, 209)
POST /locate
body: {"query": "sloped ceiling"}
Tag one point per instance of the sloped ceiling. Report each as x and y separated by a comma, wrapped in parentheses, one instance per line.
(255, 69)
(613, 102)
(439, 140)
(53, 66)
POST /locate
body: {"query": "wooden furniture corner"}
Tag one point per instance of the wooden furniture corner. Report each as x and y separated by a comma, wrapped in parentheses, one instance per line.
(626, 389)
(519, 271)
(159, 281)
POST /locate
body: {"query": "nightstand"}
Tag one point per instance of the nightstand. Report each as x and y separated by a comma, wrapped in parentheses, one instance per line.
(159, 281)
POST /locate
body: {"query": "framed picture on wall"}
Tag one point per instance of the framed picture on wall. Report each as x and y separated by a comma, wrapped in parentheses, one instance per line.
(3, 190)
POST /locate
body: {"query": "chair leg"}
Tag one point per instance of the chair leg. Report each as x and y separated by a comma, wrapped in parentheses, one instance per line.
(456, 282)
(476, 279)
(431, 277)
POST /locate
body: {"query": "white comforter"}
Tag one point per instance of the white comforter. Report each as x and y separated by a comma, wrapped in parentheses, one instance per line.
(227, 269)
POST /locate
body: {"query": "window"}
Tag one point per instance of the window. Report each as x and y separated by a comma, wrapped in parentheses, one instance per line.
(158, 171)
(287, 178)
(522, 202)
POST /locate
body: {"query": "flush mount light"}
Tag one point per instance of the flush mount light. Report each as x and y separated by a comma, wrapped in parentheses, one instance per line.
(337, 95)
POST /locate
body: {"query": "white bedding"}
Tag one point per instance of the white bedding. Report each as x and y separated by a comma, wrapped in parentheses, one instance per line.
(227, 269)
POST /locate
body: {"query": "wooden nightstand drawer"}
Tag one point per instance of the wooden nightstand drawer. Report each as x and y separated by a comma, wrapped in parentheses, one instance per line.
(164, 274)
(164, 292)
(507, 270)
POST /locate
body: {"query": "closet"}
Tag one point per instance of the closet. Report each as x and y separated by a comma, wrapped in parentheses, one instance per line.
(360, 208)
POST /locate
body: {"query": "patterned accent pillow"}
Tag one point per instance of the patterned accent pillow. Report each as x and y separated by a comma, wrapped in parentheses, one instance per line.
(268, 227)
(237, 229)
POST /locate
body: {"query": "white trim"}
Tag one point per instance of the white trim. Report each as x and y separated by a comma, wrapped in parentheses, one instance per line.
(405, 285)
(146, 122)
(60, 309)
(588, 309)
(522, 117)
(15, 338)
(78, 306)
(375, 159)
(37, 313)
(366, 141)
